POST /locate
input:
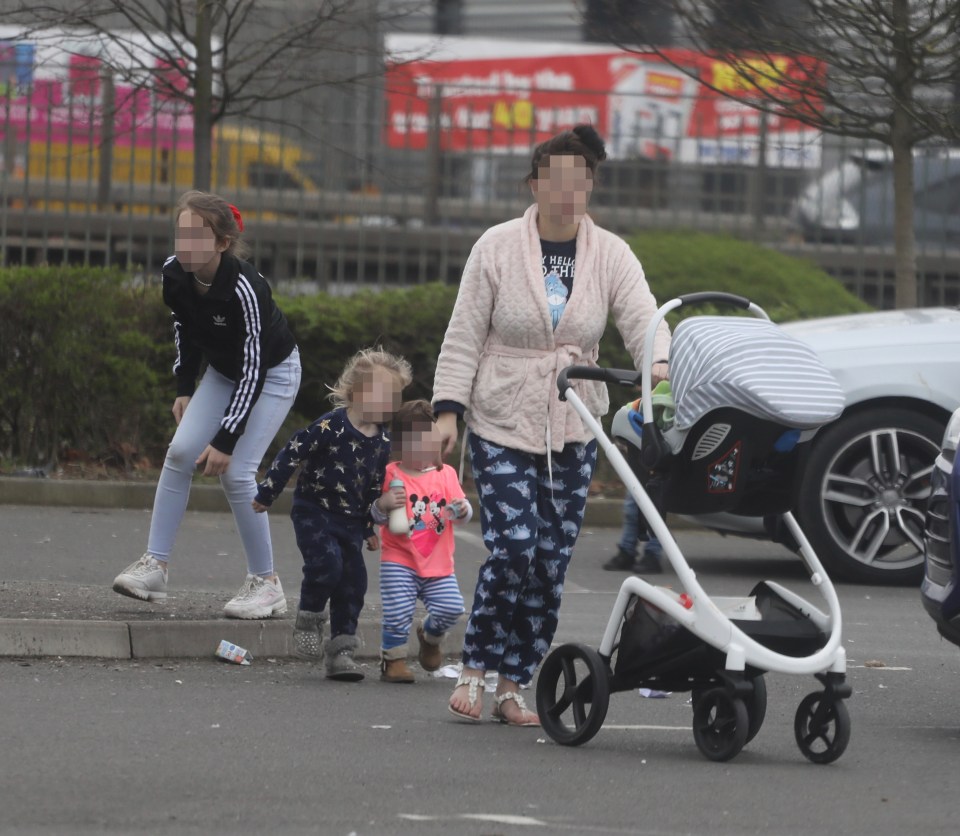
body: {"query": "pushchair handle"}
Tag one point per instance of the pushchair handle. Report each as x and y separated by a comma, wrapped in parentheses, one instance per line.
(622, 377)
(714, 296)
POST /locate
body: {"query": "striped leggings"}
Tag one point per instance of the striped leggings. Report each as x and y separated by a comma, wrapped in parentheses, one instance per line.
(400, 587)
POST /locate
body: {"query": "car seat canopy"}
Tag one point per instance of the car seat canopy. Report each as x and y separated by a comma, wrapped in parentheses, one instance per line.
(752, 365)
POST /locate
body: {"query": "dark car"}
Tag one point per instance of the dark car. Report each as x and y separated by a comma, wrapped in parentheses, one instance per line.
(940, 589)
(853, 202)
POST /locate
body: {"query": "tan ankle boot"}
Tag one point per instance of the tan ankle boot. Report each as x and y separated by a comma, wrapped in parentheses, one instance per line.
(430, 655)
(393, 665)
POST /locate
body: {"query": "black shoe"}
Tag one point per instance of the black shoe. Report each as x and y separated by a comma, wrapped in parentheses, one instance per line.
(648, 565)
(620, 562)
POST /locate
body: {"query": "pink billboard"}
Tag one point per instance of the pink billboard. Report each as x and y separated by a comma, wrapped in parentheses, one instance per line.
(55, 87)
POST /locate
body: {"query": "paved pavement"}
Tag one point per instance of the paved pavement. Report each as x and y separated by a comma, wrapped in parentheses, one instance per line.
(62, 543)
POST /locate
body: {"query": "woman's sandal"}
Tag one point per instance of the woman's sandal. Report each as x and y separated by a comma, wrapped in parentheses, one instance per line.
(475, 686)
(517, 697)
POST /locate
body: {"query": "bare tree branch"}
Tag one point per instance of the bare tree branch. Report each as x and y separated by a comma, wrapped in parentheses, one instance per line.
(887, 71)
(232, 55)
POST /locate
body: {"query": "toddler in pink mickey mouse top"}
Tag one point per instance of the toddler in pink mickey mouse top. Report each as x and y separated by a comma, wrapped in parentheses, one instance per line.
(419, 563)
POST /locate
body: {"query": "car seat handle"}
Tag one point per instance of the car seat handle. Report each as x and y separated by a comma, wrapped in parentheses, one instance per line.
(715, 296)
(646, 385)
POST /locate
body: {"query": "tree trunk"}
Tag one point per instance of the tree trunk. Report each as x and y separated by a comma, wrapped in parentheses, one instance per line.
(203, 100)
(903, 238)
(107, 139)
(901, 135)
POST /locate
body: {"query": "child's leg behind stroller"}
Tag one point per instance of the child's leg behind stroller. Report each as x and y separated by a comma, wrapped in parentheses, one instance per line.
(634, 530)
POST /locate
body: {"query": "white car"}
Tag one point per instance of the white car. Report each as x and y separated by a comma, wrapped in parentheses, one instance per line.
(867, 477)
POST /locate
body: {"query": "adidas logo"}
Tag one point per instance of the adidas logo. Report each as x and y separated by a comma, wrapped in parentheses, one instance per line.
(219, 320)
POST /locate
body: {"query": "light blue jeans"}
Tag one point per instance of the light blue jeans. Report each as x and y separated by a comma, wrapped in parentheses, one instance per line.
(199, 424)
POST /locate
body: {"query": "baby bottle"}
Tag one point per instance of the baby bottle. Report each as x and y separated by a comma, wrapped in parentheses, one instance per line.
(398, 522)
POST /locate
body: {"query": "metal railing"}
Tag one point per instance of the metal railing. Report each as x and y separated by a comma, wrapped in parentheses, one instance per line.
(323, 215)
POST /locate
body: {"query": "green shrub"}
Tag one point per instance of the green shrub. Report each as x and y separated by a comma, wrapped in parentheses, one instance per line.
(787, 288)
(86, 355)
(79, 363)
(677, 263)
(330, 329)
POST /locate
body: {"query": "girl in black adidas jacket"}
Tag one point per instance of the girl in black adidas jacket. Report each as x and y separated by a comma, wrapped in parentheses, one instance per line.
(224, 314)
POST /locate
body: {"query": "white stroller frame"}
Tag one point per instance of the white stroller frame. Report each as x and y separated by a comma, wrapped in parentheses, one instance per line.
(704, 618)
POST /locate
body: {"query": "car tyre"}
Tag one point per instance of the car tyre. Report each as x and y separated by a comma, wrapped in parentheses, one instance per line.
(863, 494)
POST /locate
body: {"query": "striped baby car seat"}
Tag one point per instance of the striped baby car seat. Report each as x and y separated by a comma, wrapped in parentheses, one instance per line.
(746, 399)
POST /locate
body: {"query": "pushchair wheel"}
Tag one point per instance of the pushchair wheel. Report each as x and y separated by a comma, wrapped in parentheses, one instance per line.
(720, 724)
(822, 727)
(755, 702)
(756, 705)
(573, 693)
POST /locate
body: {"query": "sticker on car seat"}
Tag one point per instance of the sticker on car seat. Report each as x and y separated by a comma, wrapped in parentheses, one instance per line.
(722, 474)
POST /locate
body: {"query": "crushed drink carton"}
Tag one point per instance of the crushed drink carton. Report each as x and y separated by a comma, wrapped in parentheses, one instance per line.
(230, 652)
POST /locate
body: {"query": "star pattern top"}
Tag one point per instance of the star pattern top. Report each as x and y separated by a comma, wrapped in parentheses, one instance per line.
(341, 469)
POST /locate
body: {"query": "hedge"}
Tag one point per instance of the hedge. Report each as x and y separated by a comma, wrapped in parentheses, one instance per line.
(86, 354)
(82, 361)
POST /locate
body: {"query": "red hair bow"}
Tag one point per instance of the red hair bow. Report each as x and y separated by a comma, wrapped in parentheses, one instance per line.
(236, 216)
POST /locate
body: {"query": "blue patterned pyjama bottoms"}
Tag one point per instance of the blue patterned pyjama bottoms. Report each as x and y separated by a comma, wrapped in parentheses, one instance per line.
(530, 526)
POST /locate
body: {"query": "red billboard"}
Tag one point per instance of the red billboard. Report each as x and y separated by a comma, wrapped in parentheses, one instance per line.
(504, 96)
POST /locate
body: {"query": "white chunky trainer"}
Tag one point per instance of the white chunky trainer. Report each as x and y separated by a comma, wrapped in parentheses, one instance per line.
(257, 598)
(145, 579)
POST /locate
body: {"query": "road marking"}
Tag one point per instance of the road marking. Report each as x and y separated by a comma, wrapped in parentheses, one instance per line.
(522, 821)
(645, 728)
(499, 818)
(504, 818)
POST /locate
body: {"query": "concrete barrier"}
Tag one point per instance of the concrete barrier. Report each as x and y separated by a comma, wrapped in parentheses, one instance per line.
(184, 639)
(14, 490)
(33, 637)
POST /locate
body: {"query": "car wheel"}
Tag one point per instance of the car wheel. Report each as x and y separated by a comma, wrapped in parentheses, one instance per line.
(863, 494)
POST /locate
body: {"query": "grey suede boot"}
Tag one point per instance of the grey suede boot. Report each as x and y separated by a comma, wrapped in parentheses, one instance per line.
(393, 665)
(340, 663)
(308, 635)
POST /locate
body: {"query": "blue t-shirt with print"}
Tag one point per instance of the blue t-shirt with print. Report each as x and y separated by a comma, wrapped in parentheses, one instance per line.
(558, 261)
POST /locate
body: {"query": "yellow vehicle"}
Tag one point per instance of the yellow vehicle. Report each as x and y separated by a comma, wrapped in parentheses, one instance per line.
(62, 172)
(85, 125)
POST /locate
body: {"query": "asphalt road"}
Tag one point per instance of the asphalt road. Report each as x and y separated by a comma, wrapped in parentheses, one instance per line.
(198, 746)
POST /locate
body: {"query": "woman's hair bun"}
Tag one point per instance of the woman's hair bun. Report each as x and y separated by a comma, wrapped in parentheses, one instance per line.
(588, 136)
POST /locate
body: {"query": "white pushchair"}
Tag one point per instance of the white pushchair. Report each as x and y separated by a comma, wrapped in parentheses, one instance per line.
(747, 398)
